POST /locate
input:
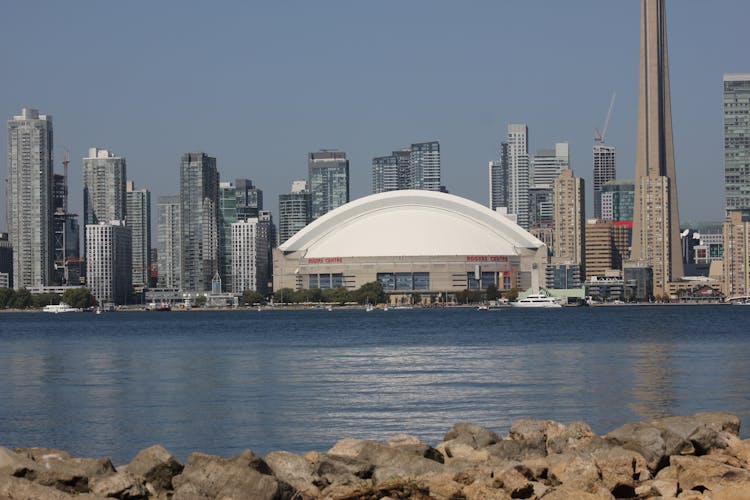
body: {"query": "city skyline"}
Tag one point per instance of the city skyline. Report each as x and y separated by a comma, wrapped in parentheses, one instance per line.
(464, 102)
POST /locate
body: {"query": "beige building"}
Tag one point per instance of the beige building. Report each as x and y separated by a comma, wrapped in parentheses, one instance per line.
(411, 241)
(599, 247)
(570, 222)
(656, 231)
(737, 254)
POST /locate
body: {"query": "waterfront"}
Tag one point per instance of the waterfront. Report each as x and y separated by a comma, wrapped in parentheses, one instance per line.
(220, 382)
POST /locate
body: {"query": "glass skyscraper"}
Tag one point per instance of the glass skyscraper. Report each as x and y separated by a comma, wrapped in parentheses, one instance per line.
(737, 140)
(199, 218)
(139, 221)
(295, 209)
(328, 176)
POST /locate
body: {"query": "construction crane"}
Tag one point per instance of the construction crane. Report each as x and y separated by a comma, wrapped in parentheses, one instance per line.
(599, 136)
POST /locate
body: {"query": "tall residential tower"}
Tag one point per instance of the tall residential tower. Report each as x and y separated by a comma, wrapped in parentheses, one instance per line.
(29, 198)
(518, 173)
(328, 177)
(737, 141)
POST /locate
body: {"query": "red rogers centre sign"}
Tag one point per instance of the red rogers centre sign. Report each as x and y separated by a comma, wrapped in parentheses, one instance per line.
(325, 260)
(486, 258)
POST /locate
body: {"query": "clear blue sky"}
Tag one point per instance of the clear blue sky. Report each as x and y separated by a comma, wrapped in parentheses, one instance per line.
(259, 85)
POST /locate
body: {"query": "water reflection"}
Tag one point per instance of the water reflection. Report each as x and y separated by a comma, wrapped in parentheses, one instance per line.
(222, 382)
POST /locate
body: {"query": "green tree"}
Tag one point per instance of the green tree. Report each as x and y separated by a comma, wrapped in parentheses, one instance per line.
(492, 292)
(45, 299)
(336, 295)
(80, 298)
(512, 294)
(7, 295)
(22, 299)
(416, 298)
(283, 295)
(250, 297)
(200, 301)
(371, 293)
(468, 296)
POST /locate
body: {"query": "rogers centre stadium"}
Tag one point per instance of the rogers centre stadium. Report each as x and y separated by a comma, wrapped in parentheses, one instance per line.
(412, 242)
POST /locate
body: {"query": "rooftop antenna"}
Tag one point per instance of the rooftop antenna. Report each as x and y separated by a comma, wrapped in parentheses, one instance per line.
(600, 136)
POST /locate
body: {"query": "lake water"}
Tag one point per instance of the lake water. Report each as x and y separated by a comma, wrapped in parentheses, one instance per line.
(220, 382)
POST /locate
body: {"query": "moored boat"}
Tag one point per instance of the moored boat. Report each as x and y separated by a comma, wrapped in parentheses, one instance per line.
(62, 307)
(540, 299)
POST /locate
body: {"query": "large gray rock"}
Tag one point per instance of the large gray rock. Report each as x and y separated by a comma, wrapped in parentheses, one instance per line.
(709, 473)
(121, 485)
(655, 444)
(20, 489)
(332, 470)
(54, 468)
(243, 476)
(388, 461)
(705, 431)
(294, 470)
(621, 470)
(157, 466)
(518, 449)
(473, 435)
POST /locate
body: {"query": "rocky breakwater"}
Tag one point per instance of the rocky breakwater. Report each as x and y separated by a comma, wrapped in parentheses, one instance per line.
(696, 457)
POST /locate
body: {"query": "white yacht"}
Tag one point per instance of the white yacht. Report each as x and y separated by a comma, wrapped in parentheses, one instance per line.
(540, 299)
(62, 307)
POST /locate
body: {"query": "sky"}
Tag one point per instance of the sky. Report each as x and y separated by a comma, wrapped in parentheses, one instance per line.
(258, 85)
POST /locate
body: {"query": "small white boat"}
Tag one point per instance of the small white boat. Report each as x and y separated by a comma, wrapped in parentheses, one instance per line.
(540, 299)
(483, 307)
(62, 307)
(369, 308)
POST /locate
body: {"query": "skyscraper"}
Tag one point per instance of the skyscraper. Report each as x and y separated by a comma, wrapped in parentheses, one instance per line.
(546, 166)
(67, 233)
(29, 198)
(250, 252)
(570, 219)
(227, 217)
(518, 173)
(328, 177)
(617, 200)
(104, 176)
(424, 163)
(656, 222)
(199, 218)
(737, 141)
(295, 209)
(109, 266)
(169, 241)
(139, 221)
(498, 171)
(737, 253)
(605, 170)
(417, 167)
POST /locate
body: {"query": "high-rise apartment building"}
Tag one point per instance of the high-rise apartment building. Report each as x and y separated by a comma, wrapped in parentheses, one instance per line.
(29, 198)
(605, 170)
(737, 253)
(656, 222)
(737, 140)
(227, 217)
(570, 219)
(600, 248)
(249, 198)
(295, 210)
(250, 252)
(385, 174)
(548, 164)
(138, 203)
(518, 173)
(169, 241)
(424, 163)
(199, 219)
(109, 266)
(417, 167)
(104, 199)
(617, 198)
(328, 177)
(498, 172)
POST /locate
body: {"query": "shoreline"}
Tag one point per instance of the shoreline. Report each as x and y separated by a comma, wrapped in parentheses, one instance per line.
(700, 457)
(378, 308)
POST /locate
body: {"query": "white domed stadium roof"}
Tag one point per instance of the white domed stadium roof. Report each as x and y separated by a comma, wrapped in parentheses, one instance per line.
(411, 223)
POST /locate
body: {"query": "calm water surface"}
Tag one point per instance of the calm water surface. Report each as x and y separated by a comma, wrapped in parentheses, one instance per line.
(220, 382)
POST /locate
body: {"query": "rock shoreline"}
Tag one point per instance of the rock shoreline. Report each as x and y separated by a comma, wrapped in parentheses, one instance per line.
(690, 457)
